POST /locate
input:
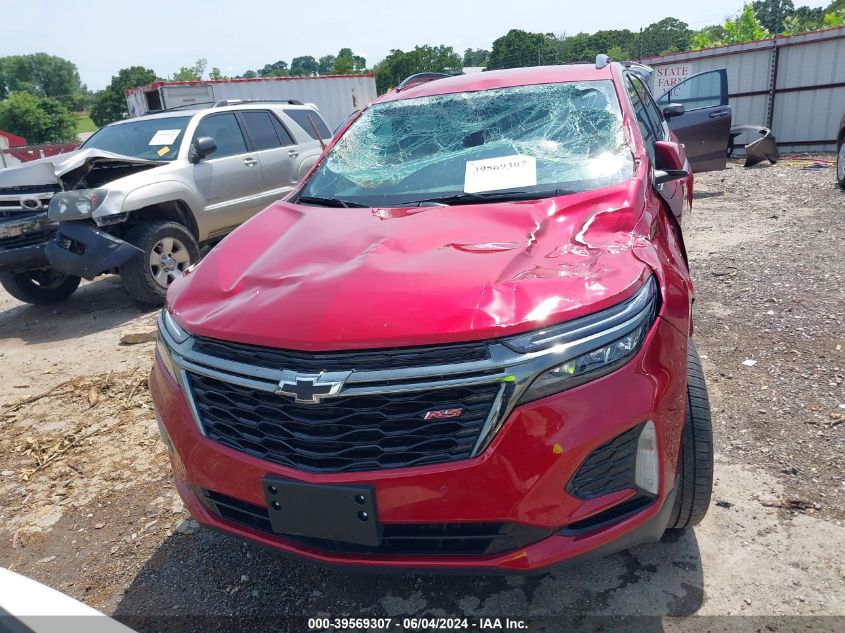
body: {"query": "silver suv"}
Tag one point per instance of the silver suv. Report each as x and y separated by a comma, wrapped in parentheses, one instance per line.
(141, 196)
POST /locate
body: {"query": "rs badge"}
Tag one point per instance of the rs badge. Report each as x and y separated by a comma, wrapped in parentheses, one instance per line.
(442, 414)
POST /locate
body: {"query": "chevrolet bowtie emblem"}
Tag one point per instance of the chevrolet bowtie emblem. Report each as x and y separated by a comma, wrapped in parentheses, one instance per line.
(311, 388)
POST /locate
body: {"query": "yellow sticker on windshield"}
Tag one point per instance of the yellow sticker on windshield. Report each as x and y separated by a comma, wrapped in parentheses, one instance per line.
(163, 150)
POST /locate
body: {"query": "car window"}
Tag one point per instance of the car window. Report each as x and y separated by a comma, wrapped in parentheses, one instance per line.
(282, 132)
(652, 111)
(643, 121)
(303, 118)
(225, 131)
(563, 136)
(259, 125)
(697, 92)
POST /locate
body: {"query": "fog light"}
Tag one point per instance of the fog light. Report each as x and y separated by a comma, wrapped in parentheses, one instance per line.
(647, 474)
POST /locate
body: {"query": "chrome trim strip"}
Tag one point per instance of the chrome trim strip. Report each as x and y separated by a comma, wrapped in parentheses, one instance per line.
(189, 396)
(489, 422)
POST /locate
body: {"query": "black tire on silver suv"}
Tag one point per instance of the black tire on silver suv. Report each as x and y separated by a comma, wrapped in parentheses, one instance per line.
(168, 249)
(695, 463)
(39, 287)
(840, 162)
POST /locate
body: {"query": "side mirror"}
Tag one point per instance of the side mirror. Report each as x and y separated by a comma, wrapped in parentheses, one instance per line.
(673, 109)
(669, 162)
(201, 147)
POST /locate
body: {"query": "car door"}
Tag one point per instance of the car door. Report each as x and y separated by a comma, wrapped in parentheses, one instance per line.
(229, 179)
(276, 151)
(705, 126)
(654, 128)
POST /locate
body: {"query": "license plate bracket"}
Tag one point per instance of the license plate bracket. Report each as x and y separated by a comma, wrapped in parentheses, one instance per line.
(335, 512)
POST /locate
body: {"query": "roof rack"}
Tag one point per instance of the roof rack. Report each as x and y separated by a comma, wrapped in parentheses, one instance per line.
(423, 78)
(184, 106)
(228, 102)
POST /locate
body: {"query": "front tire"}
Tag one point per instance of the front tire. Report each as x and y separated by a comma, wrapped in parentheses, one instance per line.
(168, 250)
(39, 287)
(840, 164)
(695, 463)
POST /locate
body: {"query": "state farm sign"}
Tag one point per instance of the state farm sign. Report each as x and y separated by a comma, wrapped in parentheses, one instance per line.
(666, 77)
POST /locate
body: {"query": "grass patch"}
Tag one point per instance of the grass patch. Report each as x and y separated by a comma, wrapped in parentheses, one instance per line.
(84, 123)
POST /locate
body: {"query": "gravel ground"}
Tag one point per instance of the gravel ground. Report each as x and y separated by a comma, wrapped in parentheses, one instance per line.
(87, 504)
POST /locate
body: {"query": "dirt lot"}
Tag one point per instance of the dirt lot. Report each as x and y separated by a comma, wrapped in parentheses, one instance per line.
(87, 505)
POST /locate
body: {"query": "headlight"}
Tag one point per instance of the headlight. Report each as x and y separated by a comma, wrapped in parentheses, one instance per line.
(75, 205)
(169, 327)
(176, 333)
(615, 336)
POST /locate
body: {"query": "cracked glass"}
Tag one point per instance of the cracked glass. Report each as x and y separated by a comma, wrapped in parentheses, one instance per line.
(410, 150)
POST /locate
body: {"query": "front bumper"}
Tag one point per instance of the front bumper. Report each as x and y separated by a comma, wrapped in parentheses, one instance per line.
(520, 478)
(22, 242)
(81, 249)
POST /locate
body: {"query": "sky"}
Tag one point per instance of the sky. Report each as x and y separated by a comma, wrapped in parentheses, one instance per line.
(103, 36)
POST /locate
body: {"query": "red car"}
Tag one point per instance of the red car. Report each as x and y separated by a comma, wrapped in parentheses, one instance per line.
(462, 343)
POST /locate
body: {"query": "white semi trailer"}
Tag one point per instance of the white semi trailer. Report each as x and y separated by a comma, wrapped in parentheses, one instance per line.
(336, 96)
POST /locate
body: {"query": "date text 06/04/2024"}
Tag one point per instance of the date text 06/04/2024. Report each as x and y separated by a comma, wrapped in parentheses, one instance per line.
(416, 624)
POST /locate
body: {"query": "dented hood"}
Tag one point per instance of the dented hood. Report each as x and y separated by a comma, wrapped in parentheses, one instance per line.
(313, 278)
(46, 171)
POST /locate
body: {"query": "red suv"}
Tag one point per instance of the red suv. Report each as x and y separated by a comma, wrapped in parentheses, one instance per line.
(462, 343)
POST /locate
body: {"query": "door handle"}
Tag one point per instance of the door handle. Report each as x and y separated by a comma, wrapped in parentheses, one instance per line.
(250, 162)
(719, 114)
(293, 153)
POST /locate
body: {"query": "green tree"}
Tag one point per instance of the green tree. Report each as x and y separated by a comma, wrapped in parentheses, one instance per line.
(668, 35)
(707, 37)
(521, 48)
(619, 44)
(773, 13)
(576, 48)
(40, 74)
(834, 18)
(475, 57)
(805, 19)
(276, 69)
(216, 73)
(399, 64)
(37, 119)
(325, 66)
(305, 65)
(344, 63)
(110, 104)
(191, 73)
(249, 74)
(745, 27)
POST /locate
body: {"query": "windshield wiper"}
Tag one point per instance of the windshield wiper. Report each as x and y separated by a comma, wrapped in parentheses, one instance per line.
(328, 202)
(492, 196)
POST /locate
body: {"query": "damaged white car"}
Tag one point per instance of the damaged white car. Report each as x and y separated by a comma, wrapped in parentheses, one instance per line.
(141, 196)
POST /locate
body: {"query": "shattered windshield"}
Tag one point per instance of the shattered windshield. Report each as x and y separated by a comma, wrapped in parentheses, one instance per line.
(548, 139)
(151, 139)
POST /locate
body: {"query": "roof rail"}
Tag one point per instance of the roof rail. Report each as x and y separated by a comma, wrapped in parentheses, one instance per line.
(602, 60)
(184, 106)
(228, 102)
(422, 78)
